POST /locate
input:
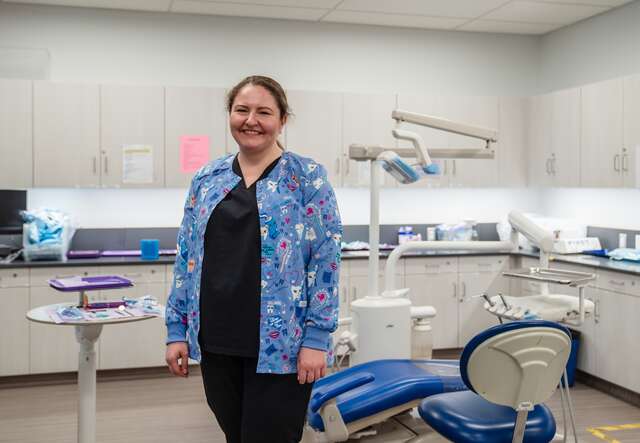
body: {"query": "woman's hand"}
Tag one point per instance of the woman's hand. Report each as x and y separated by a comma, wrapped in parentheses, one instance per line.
(177, 357)
(312, 365)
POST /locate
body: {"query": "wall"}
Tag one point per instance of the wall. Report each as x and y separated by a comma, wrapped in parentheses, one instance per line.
(128, 47)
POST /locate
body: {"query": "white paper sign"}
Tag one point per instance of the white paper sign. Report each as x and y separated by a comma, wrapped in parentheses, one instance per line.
(137, 164)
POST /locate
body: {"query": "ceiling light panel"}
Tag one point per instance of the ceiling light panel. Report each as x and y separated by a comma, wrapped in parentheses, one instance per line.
(507, 27)
(136, 5)
(326, 4)
(409, 21)
(438, 8)
(551, 13)
(246, 10)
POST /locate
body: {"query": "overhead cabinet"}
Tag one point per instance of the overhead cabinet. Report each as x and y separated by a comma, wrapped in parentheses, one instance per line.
(66, 135)
(132, 136)
(193, 115)
(16, 134)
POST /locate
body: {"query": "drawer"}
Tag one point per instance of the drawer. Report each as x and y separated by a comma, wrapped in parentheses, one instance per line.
(435, 265)
(38, 277)
(14, 278)
(361, 267)
(491, 263)
(618, 282)
(138, 274)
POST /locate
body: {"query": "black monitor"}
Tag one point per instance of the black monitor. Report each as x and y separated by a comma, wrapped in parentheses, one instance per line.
(11, 203)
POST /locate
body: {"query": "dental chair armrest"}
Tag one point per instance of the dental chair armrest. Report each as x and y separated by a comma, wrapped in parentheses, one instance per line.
(322, 395)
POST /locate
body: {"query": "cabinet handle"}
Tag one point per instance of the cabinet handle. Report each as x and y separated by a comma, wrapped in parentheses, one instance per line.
(625, 162)
(553, 166)
(547, 167)
(463, 292)
(455, 289)
(106, 164)
(133, 274)
(596, 311)
(454, 168)
(616, 162)
(355, 293)
(446, 162)
(338, 166)
(95, 165)
(347, 166)
(616, 283)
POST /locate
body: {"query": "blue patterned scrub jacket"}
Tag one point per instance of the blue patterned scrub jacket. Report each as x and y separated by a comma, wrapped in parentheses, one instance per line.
(301, 232)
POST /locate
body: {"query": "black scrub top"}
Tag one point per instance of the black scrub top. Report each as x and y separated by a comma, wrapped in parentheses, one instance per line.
(231, 273)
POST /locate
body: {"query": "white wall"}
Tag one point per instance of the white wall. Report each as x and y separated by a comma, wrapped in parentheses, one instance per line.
(125, 47)
(611, 208)
(600, 48)
(138, 47)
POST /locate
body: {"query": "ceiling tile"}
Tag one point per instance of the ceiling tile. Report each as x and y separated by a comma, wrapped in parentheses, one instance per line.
(610, 3)
(553, 13)
(136, 5)
(323, 4)
(246, 10)
(507, 27)
(438, 8)
(410, 21)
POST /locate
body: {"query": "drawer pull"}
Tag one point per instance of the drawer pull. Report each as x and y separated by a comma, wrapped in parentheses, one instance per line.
(616, 283)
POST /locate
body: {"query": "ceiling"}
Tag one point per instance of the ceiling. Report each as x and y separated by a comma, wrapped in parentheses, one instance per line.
(498, 16)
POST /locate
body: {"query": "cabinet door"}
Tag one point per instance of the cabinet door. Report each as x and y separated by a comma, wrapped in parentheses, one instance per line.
(601, 134)
(472, 317)
(366, 120)
(540, 141)
(631, 147)
(132, 120)
(14, 340)
(66, 135)
(476, 111)
(16, 142)
(512, 147)
(315, 129)
(587, 353)
(192, 112)
(617, 332)
(52, 348)
(439, 291)
(435, 106)
(565, 138)
(141, 343)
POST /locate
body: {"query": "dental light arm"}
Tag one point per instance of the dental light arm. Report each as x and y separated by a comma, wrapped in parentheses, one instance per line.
(534, 233)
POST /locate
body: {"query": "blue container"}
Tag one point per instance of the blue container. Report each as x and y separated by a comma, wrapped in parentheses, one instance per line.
(573, 357)
(149, 249)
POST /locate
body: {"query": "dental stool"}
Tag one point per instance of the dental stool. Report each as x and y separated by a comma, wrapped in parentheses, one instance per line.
(350, 400)
(510, 368)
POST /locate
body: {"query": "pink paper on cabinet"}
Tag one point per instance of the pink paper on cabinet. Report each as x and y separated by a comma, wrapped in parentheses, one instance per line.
(194, 152)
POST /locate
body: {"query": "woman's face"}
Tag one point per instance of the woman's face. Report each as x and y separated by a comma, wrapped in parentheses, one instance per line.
(255, 120)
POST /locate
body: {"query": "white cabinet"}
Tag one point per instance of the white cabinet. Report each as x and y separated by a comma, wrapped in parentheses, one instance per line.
(192, 112)
(132, 119)
(53, 348)
(359, 280)
(434, 282)
(14, 339)
(315, 129)
(554, 139)
(512, 146)
(366, 120)
(631, 146)
(141, 343)
(16, 140)
(66, 135)
(602, 134)
(478, 275)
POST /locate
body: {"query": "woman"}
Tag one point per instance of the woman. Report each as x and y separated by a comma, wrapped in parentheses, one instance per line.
(255, 293)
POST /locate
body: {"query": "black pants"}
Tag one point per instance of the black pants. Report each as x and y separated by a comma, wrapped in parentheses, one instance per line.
(251, 407)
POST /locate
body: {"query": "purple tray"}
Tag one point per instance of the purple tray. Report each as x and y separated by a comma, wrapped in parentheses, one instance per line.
(134, 252)
(85, 253)
(89, 283)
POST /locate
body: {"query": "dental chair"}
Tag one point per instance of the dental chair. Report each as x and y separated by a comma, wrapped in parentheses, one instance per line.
(511, 369)
(355, 398)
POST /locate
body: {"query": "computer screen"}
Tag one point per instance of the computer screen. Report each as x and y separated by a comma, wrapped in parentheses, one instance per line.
(11, 203)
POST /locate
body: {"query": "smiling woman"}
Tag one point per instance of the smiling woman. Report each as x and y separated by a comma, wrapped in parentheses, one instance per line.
(255, 292)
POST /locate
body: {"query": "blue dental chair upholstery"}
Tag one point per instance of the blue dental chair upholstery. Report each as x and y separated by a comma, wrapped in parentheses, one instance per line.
(373, 391)
(510, 369)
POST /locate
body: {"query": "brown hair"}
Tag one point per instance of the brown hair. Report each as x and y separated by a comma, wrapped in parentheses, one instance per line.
(270, 85)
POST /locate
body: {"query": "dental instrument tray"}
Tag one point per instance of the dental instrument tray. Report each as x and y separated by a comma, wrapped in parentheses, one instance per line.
(557, 276)
(92, 283)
